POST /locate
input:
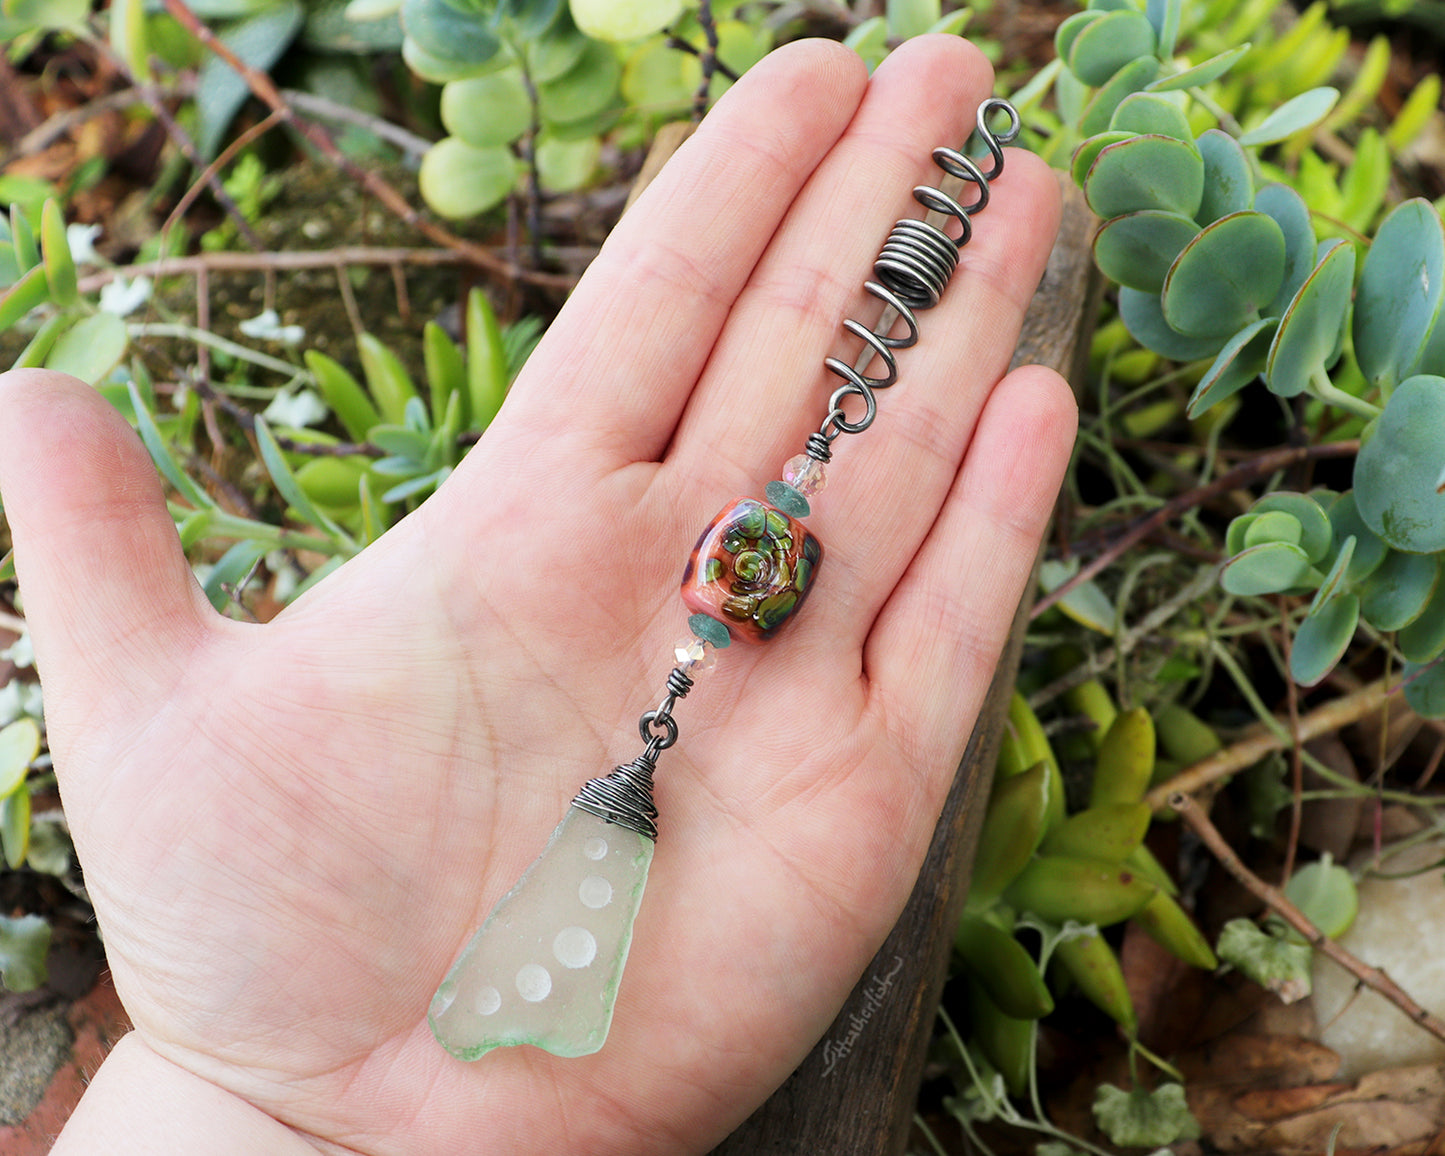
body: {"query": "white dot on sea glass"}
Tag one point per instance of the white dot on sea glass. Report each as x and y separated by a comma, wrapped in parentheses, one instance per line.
(595, 891)
(595, 847)
(574, 947)
(533, 982)
(489, 999)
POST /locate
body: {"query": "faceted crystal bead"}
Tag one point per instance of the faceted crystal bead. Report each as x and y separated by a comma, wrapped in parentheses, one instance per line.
(805, 474)
(694, 656)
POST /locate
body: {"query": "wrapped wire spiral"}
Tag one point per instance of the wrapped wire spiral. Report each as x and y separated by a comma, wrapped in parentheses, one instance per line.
(912, 270)
(623, 796)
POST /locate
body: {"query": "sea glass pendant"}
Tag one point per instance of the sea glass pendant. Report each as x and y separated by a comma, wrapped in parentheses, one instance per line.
(545, 966)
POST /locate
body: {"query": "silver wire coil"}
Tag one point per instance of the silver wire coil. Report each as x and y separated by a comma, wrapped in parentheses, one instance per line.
(912, 270)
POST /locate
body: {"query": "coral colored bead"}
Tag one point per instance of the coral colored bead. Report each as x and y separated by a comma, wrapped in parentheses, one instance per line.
(751, 569)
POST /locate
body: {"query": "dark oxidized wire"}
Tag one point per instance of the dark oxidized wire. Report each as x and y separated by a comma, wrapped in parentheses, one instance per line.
(912, 271)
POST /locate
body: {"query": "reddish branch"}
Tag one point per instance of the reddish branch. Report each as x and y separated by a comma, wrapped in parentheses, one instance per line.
(1241, 475)
(1372, 977)
(262, 87)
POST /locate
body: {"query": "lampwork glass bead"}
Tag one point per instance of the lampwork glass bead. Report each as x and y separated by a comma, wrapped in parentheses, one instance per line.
(805, 474)
(751, 569)
(694, 656)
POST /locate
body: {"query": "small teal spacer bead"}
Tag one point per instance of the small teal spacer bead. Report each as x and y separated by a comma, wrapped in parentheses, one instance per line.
(787, 499)
(709, 629)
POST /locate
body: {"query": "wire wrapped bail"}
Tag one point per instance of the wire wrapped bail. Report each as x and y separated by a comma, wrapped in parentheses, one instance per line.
(623, 796)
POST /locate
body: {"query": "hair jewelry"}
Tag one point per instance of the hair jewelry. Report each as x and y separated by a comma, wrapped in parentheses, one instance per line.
(545, 966)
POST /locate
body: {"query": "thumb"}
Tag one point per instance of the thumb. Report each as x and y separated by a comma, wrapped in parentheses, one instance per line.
(112, 604)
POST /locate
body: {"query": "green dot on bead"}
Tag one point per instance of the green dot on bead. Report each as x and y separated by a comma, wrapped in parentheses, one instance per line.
(709, 629)
(787, 499)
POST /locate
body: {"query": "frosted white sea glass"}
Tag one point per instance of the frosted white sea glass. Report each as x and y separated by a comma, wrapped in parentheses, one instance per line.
(544, 967)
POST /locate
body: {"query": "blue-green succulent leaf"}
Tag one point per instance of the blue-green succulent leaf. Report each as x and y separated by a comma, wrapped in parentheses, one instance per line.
(1308, 339)
(1400, 472)
(1222, 278)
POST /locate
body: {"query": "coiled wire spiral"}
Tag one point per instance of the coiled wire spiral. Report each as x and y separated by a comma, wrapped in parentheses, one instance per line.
(912, 271)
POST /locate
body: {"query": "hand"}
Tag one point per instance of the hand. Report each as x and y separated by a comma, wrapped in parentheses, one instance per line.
(290, 830)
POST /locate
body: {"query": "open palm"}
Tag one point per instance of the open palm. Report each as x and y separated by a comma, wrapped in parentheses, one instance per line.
(290, 830)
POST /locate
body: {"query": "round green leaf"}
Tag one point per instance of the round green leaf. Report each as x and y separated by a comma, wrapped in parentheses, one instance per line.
(487, 111)
(1424, 639)
(1066, 32)
(1201, 74)
(15, 826)
(583, 91)
(1088, 151)
(1425, 688)
(1228, 182)
(1105, 45)
(1144, 112)
(1315, 532)
(1309, 108)
(90, 348)
(1369, 551)
(566, 165)
(659, 78)
(1235, 532)
(548, 57)
(1133, 77)
(1146, 172)
(24, 944)
(1223, 276)
(31, 290)
(1240, 361)
(1334, 582)
(1400, 473)
(1292, 215)
(1144, 319)
(458, 180)
(1399, 293)
(1308, 338)
(1396, 594)
(1137, 249)
(1273, 526)
(436, 70)
(1265, 569)
(1322, 638)
(19, 746)
(1326, 894)
(448, 34)
(611, 20)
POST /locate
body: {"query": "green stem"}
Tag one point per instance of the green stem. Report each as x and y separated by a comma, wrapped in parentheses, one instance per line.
(220, 524)
(240, 352)
(1326, 391)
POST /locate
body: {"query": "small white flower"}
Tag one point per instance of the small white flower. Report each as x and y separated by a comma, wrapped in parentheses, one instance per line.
(81, 240)
(287, 578)
(123, 297)
(21, 652)
(296, 410)
(268, 327)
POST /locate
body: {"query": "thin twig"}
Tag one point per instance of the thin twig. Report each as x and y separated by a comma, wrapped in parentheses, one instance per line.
(1296, 763)
(1262, 466)
(263, 88)
(57, 125)
(212, 171)
(320, 107)
(282, 261)
(1372, 977)
(1326, 719)
(707, 58)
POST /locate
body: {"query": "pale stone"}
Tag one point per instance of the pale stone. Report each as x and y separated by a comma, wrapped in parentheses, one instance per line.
(1400, 928)
(545, 966)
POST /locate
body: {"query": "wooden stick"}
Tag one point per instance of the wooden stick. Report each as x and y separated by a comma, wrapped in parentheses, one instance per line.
(1372, 977)
(1330, 717)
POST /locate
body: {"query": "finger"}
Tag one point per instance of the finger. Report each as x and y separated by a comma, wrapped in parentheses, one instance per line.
(765, 386)
(108, 594)
(633, 338)
(886, 486)
(933, 649)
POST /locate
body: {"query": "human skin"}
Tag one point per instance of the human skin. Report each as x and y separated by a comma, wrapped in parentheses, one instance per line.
(289, 830)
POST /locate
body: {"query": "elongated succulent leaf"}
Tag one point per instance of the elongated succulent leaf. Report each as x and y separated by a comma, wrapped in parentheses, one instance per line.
(1305, 110)
(1205, 72)
(1322, 638)
(1292, 215)
(1133, 77)
(1241, 361)
(1400, 293)
(1370, 548)
(1308, 338)
(1228, 182)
